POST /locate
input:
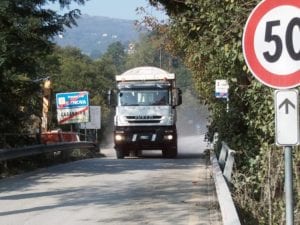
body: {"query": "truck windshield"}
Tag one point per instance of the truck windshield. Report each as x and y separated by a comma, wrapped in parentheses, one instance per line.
(144, 97)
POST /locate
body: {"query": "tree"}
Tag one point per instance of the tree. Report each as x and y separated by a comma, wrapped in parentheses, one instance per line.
(116, 52)
(26, 28)
(143, 54)
(78, 72)
(207, 35)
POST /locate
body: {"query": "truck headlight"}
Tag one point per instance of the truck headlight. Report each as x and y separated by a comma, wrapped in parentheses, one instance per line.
(121, 119)
(168, 137)
(119, 137)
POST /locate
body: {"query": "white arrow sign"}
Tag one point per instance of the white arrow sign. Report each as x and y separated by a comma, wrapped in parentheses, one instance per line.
(287, 117)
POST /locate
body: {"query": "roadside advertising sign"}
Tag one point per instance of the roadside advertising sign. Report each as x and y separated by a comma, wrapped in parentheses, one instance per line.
(95, 119)
(221, 89)
(72, 107)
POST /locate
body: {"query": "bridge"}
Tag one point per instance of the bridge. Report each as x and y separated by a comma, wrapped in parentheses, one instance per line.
(104, 190)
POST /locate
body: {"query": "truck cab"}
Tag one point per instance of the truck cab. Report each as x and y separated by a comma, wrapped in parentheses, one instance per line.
(145, 117)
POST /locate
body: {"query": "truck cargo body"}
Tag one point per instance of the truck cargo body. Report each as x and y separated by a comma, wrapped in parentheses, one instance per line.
(145, 116)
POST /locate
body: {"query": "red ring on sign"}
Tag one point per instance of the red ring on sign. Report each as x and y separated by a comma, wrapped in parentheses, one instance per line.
(263, 75)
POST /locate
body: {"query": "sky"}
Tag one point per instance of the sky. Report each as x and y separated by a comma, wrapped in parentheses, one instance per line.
(119, 9)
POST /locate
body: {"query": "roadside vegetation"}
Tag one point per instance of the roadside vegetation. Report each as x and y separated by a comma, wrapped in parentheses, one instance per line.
(28, 56)
(205, 36)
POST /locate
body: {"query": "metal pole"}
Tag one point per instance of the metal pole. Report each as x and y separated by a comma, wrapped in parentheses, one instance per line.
(288, 185)
(85, 132)
(227, 104)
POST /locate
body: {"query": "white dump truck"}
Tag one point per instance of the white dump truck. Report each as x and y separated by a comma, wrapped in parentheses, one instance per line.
(145, 117)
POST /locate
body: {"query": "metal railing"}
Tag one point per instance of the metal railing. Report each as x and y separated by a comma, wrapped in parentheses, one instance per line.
(226, 160)
(222, 170)
(14, 153)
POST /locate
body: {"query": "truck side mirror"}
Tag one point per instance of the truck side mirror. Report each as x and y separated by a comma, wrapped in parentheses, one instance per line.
(111, 98)
(177, 97)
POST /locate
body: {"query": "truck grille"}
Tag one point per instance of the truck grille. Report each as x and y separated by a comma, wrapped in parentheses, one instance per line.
(143, 119)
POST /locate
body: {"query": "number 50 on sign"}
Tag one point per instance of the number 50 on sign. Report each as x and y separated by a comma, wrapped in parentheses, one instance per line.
(271, 43)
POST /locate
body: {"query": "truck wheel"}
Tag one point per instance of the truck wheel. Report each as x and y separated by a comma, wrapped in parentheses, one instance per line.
(173, 152)
(120, 153)
(164, 153)
(170, 152)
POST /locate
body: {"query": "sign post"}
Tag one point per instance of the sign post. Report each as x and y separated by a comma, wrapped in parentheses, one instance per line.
(288, 185)
(287, 135)
(271, 50)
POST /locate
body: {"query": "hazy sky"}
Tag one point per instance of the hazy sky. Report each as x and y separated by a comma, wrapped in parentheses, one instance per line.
(121, 9)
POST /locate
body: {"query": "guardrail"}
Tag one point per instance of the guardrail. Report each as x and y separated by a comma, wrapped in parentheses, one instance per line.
(222, 170)
(13, 153)
(226, 160)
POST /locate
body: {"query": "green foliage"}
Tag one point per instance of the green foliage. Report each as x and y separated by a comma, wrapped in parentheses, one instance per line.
(78, 72)
(25, 30)
(207, 35)
(150, 51)
(116, 53)
(144, 54)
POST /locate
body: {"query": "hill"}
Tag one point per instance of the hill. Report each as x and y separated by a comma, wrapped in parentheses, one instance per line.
(94, 34)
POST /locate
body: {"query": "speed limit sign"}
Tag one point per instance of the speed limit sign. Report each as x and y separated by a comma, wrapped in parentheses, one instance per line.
(271, 43)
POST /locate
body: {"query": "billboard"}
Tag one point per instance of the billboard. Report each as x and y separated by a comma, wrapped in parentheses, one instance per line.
(95, 119)
(221, 89)
(72, 107)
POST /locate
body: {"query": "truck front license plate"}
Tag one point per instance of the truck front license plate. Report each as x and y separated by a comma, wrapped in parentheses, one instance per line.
(143, 137)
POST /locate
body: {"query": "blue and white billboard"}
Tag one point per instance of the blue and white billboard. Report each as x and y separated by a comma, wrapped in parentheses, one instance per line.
(72, 107)
(72, 99)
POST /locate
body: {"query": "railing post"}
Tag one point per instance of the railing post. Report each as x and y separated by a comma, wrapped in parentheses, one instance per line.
(223, 155)
(226, 160)
(229, 165)
(226, 203)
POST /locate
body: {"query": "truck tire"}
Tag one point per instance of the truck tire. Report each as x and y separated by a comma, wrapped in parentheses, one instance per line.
(171, 152)
(120, 153)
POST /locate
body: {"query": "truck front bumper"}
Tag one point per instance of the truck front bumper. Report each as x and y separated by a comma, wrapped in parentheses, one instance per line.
(145, 138)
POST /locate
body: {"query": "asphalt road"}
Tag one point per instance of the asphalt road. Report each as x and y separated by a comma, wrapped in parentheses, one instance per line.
(148, 190)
